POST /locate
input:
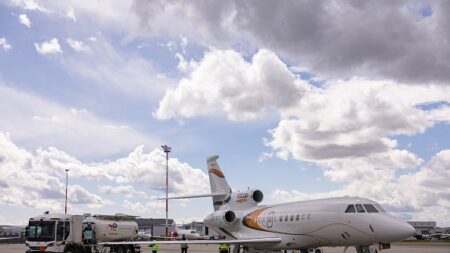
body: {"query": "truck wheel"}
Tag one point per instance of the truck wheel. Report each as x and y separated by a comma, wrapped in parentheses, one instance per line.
(129, 249)
(120, 249)
(69, 249)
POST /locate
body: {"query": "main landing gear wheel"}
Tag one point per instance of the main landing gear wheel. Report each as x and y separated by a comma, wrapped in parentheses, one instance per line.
(318, 251)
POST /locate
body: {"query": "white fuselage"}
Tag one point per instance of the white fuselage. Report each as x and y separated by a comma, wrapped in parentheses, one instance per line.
(316, 223)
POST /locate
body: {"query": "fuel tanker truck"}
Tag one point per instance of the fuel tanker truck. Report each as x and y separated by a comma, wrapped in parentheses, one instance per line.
(65, 233)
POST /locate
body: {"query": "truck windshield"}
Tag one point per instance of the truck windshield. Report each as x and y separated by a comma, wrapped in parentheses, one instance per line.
(41, 231)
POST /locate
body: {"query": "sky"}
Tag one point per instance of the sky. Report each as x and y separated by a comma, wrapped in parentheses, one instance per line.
(300, 99)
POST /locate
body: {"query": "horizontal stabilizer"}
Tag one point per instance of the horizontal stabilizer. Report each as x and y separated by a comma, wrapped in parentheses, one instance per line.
(196, 196)
(251, 241)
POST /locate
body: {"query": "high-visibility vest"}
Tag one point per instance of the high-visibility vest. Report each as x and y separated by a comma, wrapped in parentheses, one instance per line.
(224, 246)
(154, 247)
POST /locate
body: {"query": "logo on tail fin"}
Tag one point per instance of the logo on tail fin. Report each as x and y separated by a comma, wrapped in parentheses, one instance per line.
(217, 172)
(218, 183)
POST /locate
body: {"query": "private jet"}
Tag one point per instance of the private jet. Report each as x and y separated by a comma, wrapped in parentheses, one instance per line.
(301, 225)
(189, 234)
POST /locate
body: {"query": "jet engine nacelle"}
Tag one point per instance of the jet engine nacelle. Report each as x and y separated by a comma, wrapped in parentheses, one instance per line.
(247, 198)
(221, 219)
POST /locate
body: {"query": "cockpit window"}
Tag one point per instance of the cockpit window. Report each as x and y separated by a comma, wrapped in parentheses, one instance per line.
(380, 208)
(370, 208)
(350, 209)
(360, 208)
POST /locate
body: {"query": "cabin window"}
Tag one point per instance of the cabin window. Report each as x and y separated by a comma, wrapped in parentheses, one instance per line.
(286, 218)
(360, 208)
(350, 209)
(281, 218)
(292, 217)
(303, 216)
(370, 208)
(297, 217)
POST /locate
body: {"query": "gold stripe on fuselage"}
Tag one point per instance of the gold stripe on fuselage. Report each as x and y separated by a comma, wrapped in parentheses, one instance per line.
(251, 220)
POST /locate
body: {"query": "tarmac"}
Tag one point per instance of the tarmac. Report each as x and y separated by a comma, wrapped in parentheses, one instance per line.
(402, 247)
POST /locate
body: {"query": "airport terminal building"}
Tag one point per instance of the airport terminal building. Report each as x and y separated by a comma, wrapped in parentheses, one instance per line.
(428, 228)
(155, 227)
(423, 227)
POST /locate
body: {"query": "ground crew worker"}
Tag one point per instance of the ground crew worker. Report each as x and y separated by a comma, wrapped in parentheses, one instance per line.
(224, 248)
(183, 246)
(154, 248)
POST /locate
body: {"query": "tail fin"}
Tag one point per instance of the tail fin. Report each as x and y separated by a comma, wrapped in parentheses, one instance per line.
(220, 189)
(218, 183)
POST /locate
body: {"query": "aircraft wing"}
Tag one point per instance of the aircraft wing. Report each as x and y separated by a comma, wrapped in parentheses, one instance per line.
(267, 240)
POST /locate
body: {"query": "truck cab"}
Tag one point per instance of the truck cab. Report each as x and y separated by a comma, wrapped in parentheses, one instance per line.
(53, 232)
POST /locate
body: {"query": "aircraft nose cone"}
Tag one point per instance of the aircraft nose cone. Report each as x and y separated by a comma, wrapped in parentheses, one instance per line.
(395, 230)
(401, 230)
(409, 230)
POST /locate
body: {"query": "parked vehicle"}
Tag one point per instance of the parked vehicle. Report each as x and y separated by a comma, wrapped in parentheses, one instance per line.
(66, 233)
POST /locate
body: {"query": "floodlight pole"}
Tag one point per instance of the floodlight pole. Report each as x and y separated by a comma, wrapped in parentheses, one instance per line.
(167, 150)
(67, 182)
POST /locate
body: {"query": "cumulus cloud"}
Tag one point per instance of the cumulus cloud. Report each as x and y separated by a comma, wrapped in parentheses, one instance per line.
(23, 183)
(224, 82)
(417, 194)
(77, 45)
(146, 169)
(24, 20)
(48, 47)
(373, 38)
(348, 127)
(360, 117)
(5, 45)
(37, 179)
(39, 122)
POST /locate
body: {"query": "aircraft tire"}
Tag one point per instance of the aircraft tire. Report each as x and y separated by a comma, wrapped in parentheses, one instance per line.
(318, 251)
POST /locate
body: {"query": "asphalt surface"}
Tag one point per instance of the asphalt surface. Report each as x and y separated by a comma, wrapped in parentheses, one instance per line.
(408, 247)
